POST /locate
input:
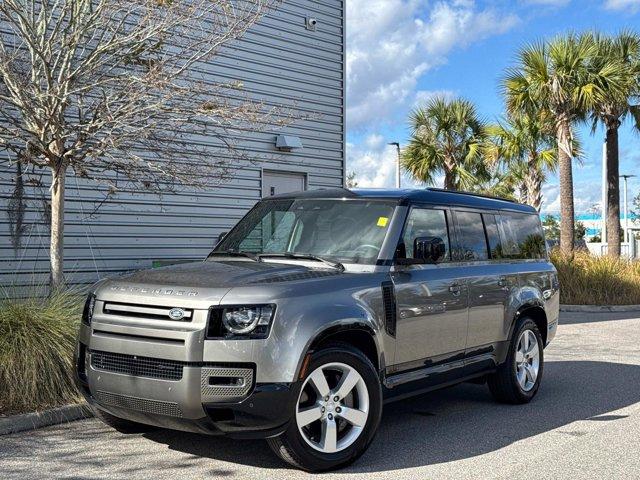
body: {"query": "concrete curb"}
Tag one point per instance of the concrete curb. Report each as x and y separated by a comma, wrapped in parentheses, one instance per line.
(599, 308)
(31, 421)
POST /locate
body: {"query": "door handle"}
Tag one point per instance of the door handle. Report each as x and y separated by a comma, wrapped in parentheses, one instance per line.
(455, 288)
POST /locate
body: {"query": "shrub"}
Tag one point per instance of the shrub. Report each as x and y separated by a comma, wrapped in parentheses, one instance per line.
(37, 340)
(590, 280)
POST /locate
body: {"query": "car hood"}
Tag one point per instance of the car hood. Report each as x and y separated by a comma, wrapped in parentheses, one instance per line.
(208, 280)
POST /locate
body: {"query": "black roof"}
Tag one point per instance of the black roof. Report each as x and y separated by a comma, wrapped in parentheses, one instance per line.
(434, 196)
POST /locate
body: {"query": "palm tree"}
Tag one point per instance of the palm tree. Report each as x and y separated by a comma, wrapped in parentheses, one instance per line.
(556, 76)
(446, 138)
(610, 110)
(525, 145)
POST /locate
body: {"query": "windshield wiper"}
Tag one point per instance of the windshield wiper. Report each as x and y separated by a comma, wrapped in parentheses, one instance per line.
(236, 253)
(305, 256)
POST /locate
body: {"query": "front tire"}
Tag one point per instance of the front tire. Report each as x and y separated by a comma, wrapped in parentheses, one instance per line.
(517, 380)
(337, 412)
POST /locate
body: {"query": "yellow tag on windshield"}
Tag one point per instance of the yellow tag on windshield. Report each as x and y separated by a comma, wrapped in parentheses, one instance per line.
(382, 221)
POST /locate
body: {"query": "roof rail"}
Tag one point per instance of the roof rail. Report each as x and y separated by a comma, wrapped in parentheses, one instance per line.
(471, 194)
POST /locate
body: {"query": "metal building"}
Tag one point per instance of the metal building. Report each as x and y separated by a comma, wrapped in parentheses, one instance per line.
(294, 56)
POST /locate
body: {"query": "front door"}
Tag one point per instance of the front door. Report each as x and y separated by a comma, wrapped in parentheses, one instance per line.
(432, 300)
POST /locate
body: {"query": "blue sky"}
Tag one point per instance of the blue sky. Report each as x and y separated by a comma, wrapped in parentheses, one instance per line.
(400, 52)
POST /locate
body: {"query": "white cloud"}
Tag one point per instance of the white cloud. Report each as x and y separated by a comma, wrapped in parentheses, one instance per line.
(374, 162)
(585, 196)
(630, 5)
(391, 44)
(423, 96)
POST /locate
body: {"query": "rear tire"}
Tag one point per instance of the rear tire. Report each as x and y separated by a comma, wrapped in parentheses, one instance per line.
(319, 436)
(517, 380)
(120, 424)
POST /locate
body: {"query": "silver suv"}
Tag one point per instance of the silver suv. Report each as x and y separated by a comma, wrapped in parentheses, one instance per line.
(316, 309)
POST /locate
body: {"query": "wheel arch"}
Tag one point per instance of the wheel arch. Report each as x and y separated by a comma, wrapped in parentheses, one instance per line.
(536, 313)
(358, 336)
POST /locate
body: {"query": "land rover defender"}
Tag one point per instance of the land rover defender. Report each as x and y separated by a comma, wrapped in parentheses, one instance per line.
(318, 307)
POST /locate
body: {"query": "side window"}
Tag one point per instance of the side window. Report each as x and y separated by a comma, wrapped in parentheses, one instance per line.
(472, 242)
(493, 236)
(425, 222)
(522, 236)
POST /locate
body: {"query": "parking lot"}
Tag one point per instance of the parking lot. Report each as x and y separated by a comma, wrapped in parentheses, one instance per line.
(584, 423)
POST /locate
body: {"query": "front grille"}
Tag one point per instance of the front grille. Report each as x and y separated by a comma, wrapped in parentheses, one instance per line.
(137, 366)
(148, 311)
(157, 407)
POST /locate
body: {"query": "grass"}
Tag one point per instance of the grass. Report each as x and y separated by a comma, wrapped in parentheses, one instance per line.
(589, 280)
(37, 340)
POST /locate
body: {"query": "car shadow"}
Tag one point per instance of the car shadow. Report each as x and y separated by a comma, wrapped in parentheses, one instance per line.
(445, 426)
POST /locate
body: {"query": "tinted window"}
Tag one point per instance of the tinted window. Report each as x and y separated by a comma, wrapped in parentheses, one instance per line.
(423, 222)
(521, 236)
(493, 236)
(472, 241)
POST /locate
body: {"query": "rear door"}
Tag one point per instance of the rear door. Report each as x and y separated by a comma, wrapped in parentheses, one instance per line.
(488, 278)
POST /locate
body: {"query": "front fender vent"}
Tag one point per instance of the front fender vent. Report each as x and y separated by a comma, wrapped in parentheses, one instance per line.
(390, 308)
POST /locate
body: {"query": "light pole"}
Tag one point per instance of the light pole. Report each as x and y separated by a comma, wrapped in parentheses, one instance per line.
(397, 145)
(626, 209)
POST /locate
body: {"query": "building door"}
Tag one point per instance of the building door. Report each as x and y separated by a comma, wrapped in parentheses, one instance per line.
(274, 183)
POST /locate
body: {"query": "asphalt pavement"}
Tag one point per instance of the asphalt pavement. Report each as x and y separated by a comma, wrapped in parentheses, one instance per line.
(584, 423)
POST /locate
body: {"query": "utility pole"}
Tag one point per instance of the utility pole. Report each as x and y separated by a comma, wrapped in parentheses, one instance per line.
(626, 210)
(605, 194)
(397, 145)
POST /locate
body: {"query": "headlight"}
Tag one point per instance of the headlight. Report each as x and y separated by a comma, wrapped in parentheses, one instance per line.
(89, 305)
(242, 321)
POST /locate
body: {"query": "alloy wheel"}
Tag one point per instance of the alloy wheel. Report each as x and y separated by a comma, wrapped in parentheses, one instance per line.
(332, 408)
(527, 360)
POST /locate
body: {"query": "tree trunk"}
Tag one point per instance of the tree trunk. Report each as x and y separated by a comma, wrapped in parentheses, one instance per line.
(449, 181)
(524, 192)
(567, 209)
(533, 181)
(613, 195)
(56, 250)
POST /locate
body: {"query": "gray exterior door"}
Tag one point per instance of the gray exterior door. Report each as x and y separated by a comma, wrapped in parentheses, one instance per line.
(275, 183)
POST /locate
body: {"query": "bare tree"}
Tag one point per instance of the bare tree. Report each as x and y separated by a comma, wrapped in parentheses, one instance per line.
(117, 88)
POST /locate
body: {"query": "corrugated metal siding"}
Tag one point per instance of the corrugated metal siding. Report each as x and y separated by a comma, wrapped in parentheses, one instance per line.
(279, 62)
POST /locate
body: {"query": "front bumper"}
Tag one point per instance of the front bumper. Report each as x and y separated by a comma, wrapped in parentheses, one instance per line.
(187, 404)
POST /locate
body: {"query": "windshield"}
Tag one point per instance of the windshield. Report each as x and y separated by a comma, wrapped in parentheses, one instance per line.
(348, 231)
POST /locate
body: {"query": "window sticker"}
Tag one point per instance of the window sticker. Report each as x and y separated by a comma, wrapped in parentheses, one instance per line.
(382, 221)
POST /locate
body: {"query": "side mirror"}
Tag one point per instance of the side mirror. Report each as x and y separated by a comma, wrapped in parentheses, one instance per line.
(221, 237)
(429, 249)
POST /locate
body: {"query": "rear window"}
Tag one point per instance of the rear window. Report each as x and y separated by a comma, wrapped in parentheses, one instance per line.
(521, 236)
(472, 241)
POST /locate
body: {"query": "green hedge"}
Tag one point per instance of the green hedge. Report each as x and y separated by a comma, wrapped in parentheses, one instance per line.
(37, 340)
